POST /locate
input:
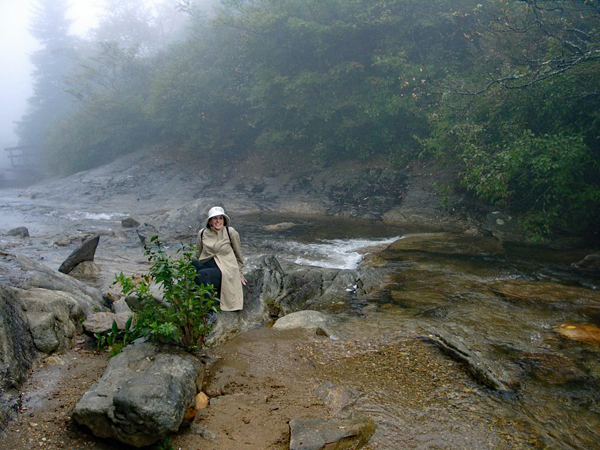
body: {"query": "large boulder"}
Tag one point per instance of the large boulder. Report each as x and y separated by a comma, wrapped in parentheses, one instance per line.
(296, 288)
(53, 318)
(25, 273)
(142, 396)
(40, 311)
(17, 355)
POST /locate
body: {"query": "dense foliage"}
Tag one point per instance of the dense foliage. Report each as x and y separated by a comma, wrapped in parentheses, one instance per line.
(506, 92)
(182, 317)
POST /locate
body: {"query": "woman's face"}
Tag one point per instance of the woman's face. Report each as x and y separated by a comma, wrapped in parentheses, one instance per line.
(216, 222)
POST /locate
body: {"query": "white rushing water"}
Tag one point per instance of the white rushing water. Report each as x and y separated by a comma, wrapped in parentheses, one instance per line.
(79, 215)
(331, 253)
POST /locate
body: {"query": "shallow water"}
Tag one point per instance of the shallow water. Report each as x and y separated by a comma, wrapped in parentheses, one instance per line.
(555, 401)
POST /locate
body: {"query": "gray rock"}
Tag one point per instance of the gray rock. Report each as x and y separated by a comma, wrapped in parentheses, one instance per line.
(85, 252)
(129, 223)
(142, 396)
(302, 319)
(53, 318)
(18, 232)
(121, 306)
(40, 310)
(338, 400)
(204, 432)
(86, 268)
(17, 355)
(591, 263)
(298, 289)
(25, 273)
(102, 322)
(352, 433)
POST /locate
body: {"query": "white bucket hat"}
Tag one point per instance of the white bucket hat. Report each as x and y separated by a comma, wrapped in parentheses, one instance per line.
(217, 211)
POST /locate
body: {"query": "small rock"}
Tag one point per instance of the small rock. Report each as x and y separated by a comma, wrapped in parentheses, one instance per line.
(279, 226)
(202, 401)
(302, 319)
(204, 432)
(591, 263)
(19, 232)
(129, 223)
(580, 332)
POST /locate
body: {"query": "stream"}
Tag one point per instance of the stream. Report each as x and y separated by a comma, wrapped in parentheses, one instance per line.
(509, 306)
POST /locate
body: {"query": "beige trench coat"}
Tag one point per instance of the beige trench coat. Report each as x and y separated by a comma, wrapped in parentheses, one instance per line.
(228, 256)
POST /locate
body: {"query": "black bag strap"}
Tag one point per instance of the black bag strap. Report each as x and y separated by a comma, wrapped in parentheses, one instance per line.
(228, 234)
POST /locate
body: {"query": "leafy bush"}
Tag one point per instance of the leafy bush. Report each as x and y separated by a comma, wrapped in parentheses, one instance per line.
(182, 318)
(550, 180)
(115, 339)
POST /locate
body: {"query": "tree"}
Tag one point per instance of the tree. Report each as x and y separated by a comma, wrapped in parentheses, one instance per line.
(524, 121)
(52, 63)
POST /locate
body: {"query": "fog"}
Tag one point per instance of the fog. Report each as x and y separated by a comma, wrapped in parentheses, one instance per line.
(16, 45)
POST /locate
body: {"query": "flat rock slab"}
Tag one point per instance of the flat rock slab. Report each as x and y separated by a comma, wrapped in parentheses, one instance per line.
(331, 434)
(544, 291)
(446, 244)
(142, 396)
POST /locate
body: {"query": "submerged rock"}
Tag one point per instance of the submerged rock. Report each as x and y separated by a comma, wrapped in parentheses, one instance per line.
(483, 368)
(338, 400)
(547, 292)
(352, 433)
(580, 332)
(446, 244)
(551, 369)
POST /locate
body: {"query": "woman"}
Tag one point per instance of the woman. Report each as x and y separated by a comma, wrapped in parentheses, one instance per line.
(220, 262)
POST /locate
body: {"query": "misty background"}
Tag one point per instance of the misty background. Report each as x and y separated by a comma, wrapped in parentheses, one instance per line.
(502, 96)
(17, 44)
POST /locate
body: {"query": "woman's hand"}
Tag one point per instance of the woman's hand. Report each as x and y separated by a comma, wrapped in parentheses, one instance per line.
(244, 281)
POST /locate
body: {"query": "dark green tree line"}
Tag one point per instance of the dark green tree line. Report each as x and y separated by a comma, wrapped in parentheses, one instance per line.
(505, 92)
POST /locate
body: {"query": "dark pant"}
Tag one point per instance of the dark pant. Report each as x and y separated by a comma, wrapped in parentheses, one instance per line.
(207, 272)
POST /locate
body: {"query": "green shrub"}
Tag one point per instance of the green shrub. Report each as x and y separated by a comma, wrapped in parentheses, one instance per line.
(181, 318)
